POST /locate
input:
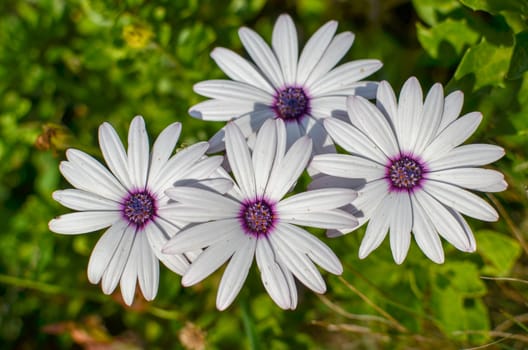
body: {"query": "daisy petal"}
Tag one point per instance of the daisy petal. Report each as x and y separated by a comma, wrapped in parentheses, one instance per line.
(431, 118)
(378, 226)
(400, 227)
(203, 235)
(128, 278)
(330, 219)
(233, 91)
(273, 276)
(322, 143)
(468, 155)
(343, 165)
(240, 160)
(264, 155)
(114, 271)
(262, 55)
(222, 110)
(472, 178)
(452, 107)
(314, 50)
(104, 250)
(308, 244)
(327, 181)
(239, 69)
(162, 149)
(426, 236)
(138, 153)
(284, 43)
(235, 274)
(148, 269)
(114, 153)
(461, 200)
(210, 260)
(83, 222)
(409, 112)
(158, 236)
(386, 101)
(336, 50)
(82, 200)
(317, 200)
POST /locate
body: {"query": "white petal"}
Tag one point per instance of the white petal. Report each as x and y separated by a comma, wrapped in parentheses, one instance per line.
(445, 222)
(115, 268)
(239, 69)
(240, 160)
(286, 172)
(314, 50)
(343, 165)
(202, 169)
(104, 250)
(431, 117)
(456, 133)
(285, 46)
(317, 200)
(162, 150)
(410, 106)
(366, 117)
(293, 133)
(425, 235)
(386, 101)
(222, 110)
(299, 264)
(211, 259)
(262, 55)
(345, 74)
(83, 222)
(467, 155)
(400, 227)
(472, 178)
(86, 173)
(177, 165)
(148, 269)
(264, 155)
(322, 142)
(364, 88)
(157, 236)
(273, 275)
(369, 198)
(326, 106)
(308, 244)
(354, 141)
(327, 181)
(452, 107)
(129, 276)
(138, 153)
(336, 50)
(461, 200)
(82, 200)
(114, 153)
(233, 91)
(203, 235)
(329, 219)
(235, 274)
(378, 225)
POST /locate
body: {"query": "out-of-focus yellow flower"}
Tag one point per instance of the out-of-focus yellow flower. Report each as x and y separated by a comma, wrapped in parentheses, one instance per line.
(136, 36)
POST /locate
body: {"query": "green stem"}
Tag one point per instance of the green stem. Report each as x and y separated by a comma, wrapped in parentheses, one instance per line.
(249, 325)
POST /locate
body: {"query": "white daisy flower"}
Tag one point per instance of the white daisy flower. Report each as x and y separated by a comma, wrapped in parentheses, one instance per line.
(416, 171)
(254, 220)
(281, 85)
(130, 199)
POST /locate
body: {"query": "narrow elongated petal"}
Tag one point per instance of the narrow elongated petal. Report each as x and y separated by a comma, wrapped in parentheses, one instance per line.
(264, 155)
(114, 153)
(240, 160)
(431, 117)
(330, 219)
(284, 43)
(262, 55)
(386, 102)
(158, 236)
(83, 222)
(343, 165)
(235, 274)
(467, 155)
(314, 50)
(115, 268)
(378, 226)
(316, 200)
(162, 150)
(452, 107)
(233, 91)
(201, 198)
(222, 110)
(104, 250)
(148, 269)
(409, 113)
(82, 200)
(461, 200)
(128, 279)
(138, 153)
(400, 227)
(425, 235)
(274, 277)
(472, 178)
(239, 69)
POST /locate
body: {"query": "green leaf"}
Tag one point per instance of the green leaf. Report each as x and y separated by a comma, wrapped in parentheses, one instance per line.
(498, 251)
(429, 10)
(496, 6)
(447, 40)
(519, 61)
(487, 63)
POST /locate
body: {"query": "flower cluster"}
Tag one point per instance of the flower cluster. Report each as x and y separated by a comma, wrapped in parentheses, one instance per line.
(405, 171)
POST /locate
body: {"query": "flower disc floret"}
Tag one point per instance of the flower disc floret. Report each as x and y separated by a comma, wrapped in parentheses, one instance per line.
(405, 173)
(139, 208)
(291, 104)
(257, 218)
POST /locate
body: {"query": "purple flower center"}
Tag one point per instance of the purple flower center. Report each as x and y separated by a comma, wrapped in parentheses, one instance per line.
(138, 208)
(291, 103)
(257, 218)
(405, 173)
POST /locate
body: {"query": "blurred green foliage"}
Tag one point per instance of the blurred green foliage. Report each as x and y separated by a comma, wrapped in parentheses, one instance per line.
(68, 65)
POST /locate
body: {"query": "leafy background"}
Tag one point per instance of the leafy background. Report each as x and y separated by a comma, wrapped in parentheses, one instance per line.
(67, 66)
